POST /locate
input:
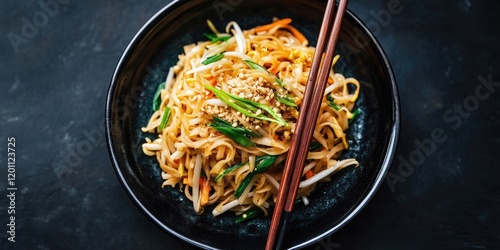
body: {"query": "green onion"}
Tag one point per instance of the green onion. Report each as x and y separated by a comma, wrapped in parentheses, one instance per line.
(314, 145)
(286, 100)
(246, 106)
(332, 103)
(214, 38)
(212, 59)
(264, 162)
(239, 135)
(157, 97)
(334, 106)
(254, 65)
(239, 139)
(243, 185)
(242, 130)
(249, 214)
(354, 115)
(279, 81)
(229, 170)
(165, 118)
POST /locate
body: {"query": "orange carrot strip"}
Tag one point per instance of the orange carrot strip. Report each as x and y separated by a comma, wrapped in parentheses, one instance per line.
(282, 22)
(205, 190)
(309, 174)
(213, 82)
(296, 33)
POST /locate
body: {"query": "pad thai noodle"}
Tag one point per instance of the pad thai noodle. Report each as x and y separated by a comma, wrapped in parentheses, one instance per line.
(224, 117)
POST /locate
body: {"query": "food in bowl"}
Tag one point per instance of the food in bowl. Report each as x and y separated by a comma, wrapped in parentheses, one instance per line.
(223, 120)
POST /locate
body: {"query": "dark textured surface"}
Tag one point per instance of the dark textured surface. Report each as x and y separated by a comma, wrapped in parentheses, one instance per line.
(53, 87)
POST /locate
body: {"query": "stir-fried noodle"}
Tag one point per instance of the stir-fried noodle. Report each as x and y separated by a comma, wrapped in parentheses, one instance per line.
(226, 113)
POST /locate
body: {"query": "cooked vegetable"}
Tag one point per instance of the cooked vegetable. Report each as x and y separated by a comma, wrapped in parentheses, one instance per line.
(354, 115)
(296, 33)
(165, 118)
(246, 106)
(264, 162)
(205, 190)
(214, 38)
(280, 22)
(286, 100)
(239, 135)
(314, 145)
(254, 65)
(157, 97)
(213, 58)
(249, 214)
(332, 103)
(229, 170)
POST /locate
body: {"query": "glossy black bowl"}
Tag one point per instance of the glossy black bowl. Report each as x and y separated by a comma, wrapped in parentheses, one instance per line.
(144, 65)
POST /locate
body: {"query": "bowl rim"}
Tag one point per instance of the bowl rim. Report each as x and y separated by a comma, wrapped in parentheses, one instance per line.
(384, 169)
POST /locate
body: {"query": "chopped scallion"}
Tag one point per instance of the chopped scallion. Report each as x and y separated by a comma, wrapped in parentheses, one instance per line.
(263, 164)
(254, 65)
(242, 105)
(314, 145)
(249, 214)
(229, 170)
(354, 115)
(332, 103)
(157, 97)
(286, 100)
(212, 59)
(165, 118)
(239, 135)
(214, 38)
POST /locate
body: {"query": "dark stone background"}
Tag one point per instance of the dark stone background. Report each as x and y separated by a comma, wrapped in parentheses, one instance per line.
(52, 96)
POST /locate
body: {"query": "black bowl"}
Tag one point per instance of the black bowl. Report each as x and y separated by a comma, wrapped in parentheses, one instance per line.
(145, 63)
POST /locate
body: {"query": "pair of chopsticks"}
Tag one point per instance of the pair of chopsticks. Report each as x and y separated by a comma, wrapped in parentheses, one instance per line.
(313, 96)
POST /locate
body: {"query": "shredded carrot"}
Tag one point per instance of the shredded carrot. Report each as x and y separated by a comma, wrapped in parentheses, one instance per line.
(213, 81)
(296, 33)
(205, 190)
(281, 22)
(185, 181)
(309, 174)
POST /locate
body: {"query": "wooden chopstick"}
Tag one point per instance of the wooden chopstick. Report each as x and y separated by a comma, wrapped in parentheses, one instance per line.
(315, 88)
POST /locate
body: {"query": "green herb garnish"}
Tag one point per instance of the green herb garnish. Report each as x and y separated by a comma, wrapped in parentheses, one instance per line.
(332, 103)
(286, 100)
(354, 115)
(214, 38)
(249, 214)
(254, 65)
(157, 97)
(165, 118)
(239, 135)
(262, 165)
(246, 106)
(212, 59)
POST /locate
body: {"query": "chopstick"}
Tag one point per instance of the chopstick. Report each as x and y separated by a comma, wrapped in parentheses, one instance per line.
(314, 92)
